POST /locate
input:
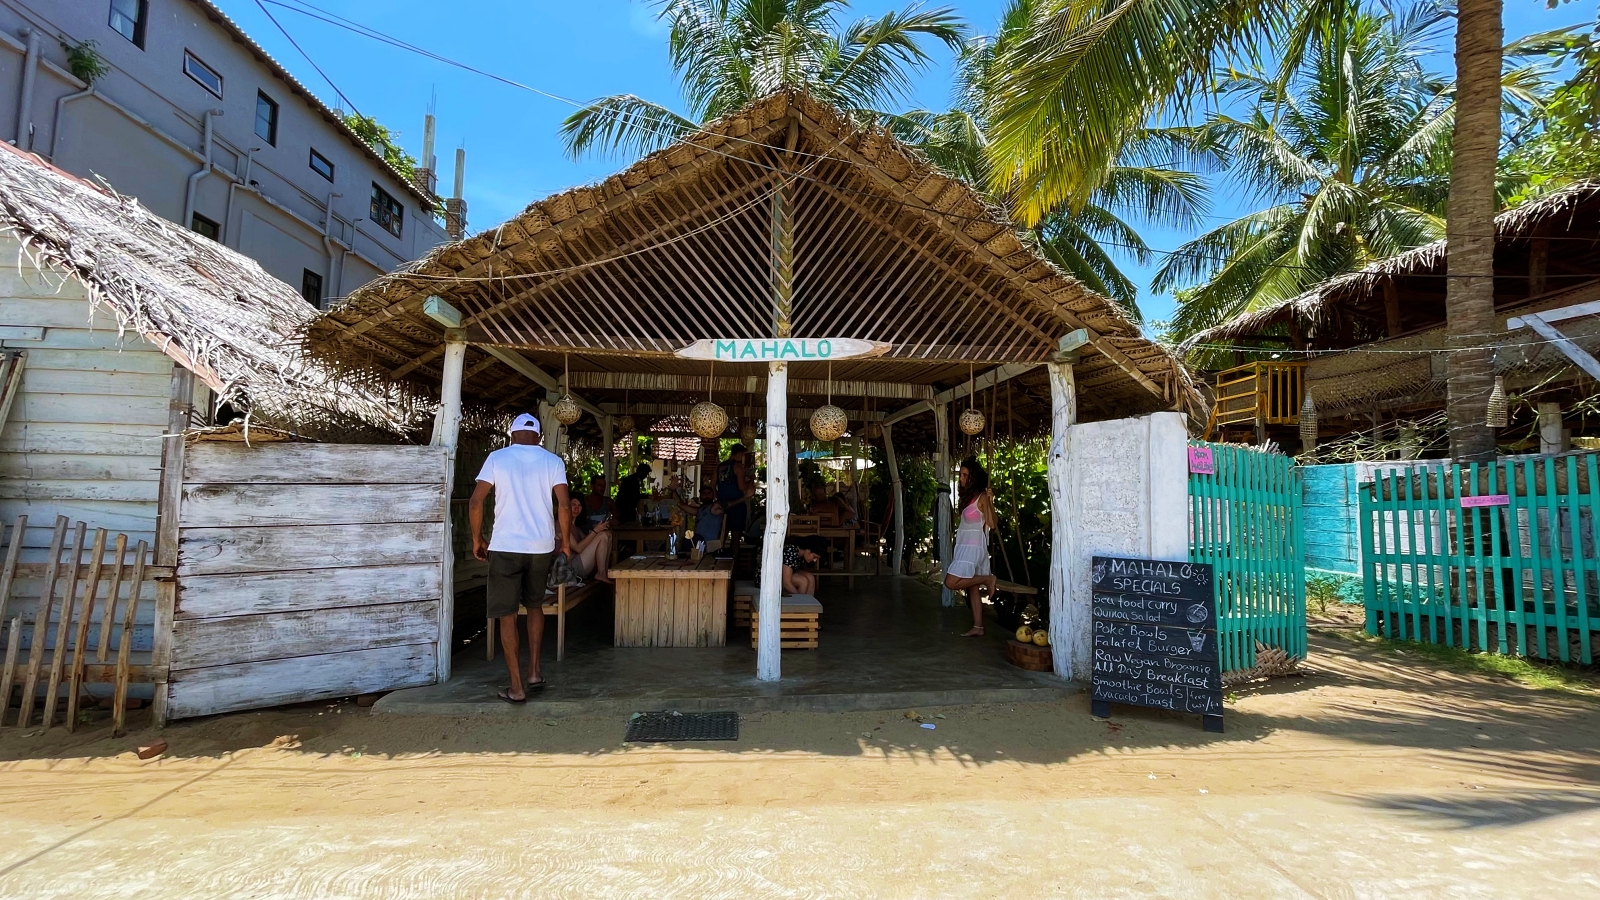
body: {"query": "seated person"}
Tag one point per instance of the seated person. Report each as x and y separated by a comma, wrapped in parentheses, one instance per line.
(823, 505)
(591, 546)
(847, 513)
(708, 518)
(597, 504)
(806, 549)
(630, 491)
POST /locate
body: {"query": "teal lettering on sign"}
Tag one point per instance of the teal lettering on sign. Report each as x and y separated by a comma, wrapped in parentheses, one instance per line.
(726, 349)
(824, 348)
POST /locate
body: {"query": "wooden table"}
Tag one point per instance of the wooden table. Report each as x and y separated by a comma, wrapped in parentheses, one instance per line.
(664, 602)
(847, 534)
(638, 534)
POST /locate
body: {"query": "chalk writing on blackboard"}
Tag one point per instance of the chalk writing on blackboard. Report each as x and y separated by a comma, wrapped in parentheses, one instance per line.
(1155, 637)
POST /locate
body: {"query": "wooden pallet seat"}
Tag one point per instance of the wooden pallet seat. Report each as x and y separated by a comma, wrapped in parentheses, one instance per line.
(797, 625)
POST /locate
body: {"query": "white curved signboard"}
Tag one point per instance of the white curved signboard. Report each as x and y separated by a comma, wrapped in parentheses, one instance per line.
(781, 349)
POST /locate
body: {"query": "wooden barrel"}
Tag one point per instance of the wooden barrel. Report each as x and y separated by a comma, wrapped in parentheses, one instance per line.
(1029, 656)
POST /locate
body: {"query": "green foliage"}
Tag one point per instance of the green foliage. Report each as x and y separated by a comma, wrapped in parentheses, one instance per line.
(1353, 148)
(1531, 673)
(1018, 478)
(1560, 145)
(727, 54)
(1326, 588)
(85, 62)
(386, 144)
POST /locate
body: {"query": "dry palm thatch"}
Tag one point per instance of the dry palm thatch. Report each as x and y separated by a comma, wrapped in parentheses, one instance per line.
(214, 311)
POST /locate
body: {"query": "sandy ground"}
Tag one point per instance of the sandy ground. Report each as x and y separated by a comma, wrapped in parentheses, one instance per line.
(1372, 777)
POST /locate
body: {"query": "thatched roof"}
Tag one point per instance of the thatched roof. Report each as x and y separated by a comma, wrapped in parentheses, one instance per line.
(214, 311)
(1573, 212)
(675, 248)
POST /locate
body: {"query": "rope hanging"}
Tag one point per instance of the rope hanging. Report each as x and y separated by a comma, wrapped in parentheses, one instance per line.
(566, 409)
(706, 418)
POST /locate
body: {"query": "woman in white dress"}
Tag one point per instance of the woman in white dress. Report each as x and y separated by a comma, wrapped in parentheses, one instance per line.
(969, 564)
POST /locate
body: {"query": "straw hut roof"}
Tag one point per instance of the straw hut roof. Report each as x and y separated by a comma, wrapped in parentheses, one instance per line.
(611, 278)
(1571, 217)
(214, 311)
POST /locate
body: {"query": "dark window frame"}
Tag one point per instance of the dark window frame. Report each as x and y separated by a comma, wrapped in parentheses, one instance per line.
(142, 16)
(206, 228)
(271, 137)
(386, 212)
(326, 161)
(188, 57)
(311, 283)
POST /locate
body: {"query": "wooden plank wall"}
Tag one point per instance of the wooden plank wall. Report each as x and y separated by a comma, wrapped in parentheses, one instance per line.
(305, 571)
(83, 439)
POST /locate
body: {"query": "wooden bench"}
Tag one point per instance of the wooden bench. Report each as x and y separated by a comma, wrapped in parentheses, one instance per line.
(744, 595)
(556, 603)
(797, 625)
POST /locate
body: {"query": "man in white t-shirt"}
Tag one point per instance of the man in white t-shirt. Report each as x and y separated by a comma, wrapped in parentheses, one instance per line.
(530, 501)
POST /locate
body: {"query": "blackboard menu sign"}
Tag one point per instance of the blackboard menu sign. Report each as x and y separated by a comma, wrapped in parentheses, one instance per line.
(1155, 637)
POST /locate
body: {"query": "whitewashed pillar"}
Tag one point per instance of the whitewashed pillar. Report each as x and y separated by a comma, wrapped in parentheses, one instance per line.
(899, 501)
(1551, 437)
(446, 431)
(768, 649)
(1066, 625)
(608, 437)
(941, 501)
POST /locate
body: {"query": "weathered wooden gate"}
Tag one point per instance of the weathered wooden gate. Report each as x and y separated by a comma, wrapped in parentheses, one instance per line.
(1245, 520)
(305, 571)
(1498, 557)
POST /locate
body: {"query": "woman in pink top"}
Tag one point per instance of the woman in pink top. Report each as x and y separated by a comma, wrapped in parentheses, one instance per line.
(969, 564)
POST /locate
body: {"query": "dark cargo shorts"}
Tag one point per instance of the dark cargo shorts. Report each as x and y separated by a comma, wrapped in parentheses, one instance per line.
(517, 578)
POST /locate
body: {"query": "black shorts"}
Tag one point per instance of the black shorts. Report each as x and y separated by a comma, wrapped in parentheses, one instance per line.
(517, 579)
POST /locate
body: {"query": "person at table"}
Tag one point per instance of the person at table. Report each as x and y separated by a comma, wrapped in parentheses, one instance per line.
(797, 551)
(591, 544)
(532, 517)
(823, 505)
(709, 517)
(969, 564)
(597, 504)
(630, 490)
(847, 512)
(735, 486)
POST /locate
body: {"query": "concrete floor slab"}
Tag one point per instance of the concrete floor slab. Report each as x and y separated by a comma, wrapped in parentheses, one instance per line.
(886, 644)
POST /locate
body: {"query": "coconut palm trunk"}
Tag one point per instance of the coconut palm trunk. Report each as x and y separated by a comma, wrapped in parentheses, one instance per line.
(1469, 297)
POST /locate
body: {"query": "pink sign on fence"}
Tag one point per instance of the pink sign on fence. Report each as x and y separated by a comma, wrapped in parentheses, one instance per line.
(1200, 461)
(1486, 500)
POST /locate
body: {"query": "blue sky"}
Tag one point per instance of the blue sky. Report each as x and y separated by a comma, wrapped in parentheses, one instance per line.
(575, 50)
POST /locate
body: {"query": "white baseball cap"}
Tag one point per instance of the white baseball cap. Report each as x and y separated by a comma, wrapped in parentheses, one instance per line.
(524, 422)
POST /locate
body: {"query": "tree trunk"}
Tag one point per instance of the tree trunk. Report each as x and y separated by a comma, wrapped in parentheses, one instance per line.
(1469, 298)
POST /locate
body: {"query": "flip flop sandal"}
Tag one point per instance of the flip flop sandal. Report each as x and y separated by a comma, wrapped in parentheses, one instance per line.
(535, 685)
(506, 696)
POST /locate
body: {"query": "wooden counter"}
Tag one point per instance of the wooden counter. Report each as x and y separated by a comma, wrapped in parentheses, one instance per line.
(664, 602)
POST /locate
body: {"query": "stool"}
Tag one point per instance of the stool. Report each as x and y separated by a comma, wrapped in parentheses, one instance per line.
(797, 625)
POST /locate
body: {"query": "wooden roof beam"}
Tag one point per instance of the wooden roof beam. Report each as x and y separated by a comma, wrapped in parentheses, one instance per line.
(525, 367)
(973, 245)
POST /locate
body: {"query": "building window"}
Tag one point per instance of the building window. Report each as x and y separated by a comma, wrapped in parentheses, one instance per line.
(311, 287)
(321, 165)
(128, 18)
(203, 75)
(205, 227)
(387, 211)
(266, 119)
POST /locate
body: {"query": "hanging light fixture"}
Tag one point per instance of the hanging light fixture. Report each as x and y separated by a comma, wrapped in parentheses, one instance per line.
(747, 429)
(871, 429)
(1308, 424)
(566, 409)
(971, 421)
(706, 418)
(829, 421)
(625, 424)
(1498, 413)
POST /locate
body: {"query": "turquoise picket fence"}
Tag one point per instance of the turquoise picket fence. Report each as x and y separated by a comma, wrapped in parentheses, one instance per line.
(1497, 557)
(1245, 520)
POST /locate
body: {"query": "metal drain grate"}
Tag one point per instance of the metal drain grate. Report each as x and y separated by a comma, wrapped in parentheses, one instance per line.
(670, 725)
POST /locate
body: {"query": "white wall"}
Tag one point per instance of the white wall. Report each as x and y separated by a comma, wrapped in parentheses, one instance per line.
(1129, 495)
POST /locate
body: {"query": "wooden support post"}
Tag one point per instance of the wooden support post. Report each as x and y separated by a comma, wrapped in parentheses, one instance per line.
(768, 662)
(1551, 437)
(168, 511)
(941, 502)
(446, 432)
(1065, 629)
(898, 554)
(1538, 264)
(1391, 308)
(608, 437)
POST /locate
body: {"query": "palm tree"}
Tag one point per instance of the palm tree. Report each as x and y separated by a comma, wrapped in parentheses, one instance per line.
(1353, 149)
(1141, 184)
(1469, 255)
(727, 53)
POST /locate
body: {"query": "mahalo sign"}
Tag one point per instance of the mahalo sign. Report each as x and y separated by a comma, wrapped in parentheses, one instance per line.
(782, 349)
(1155, 637)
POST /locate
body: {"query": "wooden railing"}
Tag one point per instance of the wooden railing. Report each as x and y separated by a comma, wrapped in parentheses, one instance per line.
(1258, 393)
